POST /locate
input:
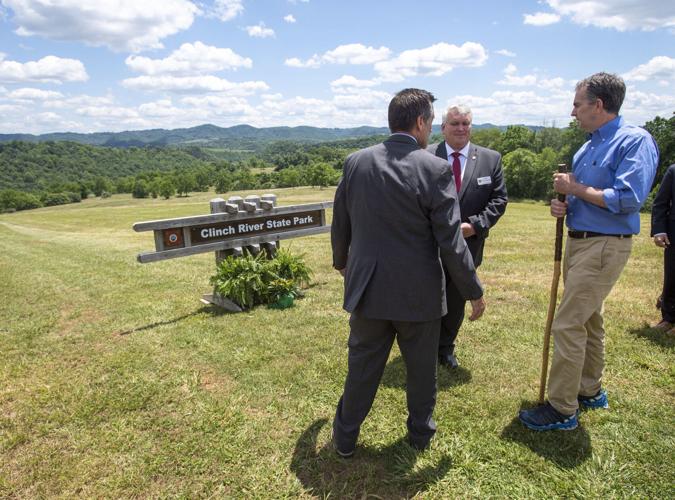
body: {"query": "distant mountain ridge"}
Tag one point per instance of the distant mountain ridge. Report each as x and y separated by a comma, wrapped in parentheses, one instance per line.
(212, 136)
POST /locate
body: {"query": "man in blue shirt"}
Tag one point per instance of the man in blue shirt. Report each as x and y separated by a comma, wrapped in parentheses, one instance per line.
(612, 176)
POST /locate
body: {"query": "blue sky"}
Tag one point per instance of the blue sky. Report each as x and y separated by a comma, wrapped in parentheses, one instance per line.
(112, 65)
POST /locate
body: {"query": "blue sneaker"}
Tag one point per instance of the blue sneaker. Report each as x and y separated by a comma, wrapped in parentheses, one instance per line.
(547, 418)
(594, 402)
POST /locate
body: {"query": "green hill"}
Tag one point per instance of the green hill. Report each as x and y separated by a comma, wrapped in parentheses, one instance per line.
(35, 166)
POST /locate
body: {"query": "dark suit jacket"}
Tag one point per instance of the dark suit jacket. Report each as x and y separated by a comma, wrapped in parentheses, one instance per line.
(663, 215)
(480, 204)
(395, 212)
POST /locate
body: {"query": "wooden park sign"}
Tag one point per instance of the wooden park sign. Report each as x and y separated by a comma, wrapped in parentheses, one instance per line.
(234, 227)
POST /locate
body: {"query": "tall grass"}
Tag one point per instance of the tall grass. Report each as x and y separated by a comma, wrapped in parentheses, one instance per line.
(115, 381)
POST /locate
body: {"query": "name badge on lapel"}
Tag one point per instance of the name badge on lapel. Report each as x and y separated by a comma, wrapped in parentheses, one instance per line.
(482, 181)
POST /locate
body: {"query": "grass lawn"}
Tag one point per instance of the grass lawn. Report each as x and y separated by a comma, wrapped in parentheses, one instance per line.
(115, 381)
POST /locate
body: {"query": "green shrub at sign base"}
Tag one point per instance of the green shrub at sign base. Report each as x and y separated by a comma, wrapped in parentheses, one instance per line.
(251, 280)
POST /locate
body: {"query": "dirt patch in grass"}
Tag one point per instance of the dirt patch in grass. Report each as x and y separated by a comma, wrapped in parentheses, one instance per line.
(73, 320)
(214, 382)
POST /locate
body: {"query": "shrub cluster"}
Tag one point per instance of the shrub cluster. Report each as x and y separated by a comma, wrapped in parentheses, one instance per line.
(251, 280)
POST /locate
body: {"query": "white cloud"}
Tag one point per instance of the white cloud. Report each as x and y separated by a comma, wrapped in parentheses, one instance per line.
(553, 107)
(88, 100)
(190, 58)
(640, 107)
(351, 84)
(552, 83)
(353, 53)
(435, 60)
(47, 117)
(159, 109)
(37, 122)
(118, 24)
(79, 101)
(366, 107)
(508, 107)
(511, 78)
(107, 112)
(312, 62)
(621, 15)
(218, 105)
(48, 69)
(225, 10)
(31, 94)
(505, 52)
(659, 67)
(290, 18)
(365, 99)
(208, 83)
(541, 19)
(259, 31)
(10, 110)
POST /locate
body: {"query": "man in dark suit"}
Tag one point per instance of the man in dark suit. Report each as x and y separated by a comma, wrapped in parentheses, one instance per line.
(395, 213)
(482, 201)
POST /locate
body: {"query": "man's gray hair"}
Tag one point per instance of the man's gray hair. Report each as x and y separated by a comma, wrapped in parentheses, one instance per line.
(457, 109)
(607, 87)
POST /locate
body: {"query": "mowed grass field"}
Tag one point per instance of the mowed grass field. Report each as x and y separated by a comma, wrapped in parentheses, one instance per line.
(115, 381)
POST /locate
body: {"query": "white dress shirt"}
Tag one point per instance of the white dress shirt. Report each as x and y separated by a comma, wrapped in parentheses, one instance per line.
(463, 156)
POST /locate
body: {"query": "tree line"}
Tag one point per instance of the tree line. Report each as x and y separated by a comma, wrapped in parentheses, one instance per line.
(33, 175)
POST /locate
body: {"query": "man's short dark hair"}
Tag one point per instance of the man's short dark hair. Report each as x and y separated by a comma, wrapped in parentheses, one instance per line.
(607, 87)
(406, 106)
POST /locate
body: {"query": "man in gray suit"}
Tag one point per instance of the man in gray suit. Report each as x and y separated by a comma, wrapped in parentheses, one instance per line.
(482, 201)
(395, 213)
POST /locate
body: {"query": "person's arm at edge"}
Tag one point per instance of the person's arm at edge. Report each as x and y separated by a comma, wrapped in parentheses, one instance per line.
(661, 209)
(340, 230)
(455, 255)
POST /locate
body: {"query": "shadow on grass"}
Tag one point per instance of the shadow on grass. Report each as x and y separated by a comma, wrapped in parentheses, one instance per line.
(664, 339)
(395, 373)
(387, 472)
(567, 449)
(209, 309)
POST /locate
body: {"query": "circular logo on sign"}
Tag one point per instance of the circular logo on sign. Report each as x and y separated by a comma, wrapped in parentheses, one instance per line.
(173, 238)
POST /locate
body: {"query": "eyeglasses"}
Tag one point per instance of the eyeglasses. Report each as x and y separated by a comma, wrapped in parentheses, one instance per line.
(458, 123)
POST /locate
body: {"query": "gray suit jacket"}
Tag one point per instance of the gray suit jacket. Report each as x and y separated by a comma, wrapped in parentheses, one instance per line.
(395, 212)
(481, 204)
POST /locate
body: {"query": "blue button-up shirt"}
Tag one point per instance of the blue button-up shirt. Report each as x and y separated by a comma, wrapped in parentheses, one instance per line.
(621, 160)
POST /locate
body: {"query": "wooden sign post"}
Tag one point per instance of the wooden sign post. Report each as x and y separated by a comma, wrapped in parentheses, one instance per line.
(234, 227)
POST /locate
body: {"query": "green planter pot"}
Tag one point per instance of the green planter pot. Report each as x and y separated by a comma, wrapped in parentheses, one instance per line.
(284, 302)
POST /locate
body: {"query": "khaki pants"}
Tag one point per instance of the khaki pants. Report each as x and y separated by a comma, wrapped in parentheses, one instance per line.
(590, 269)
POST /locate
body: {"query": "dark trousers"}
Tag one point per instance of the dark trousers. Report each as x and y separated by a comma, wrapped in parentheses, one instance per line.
(370, 342)
(452, 321)
(668, 296)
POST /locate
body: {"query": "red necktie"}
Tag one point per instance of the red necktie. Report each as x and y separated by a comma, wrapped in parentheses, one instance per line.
(457, 170)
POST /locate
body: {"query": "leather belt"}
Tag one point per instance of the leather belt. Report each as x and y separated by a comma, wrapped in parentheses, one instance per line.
(591, 234)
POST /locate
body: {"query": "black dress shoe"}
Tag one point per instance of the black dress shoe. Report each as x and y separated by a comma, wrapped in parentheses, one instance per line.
(344, 453)
(418, 445)
(448, 360)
